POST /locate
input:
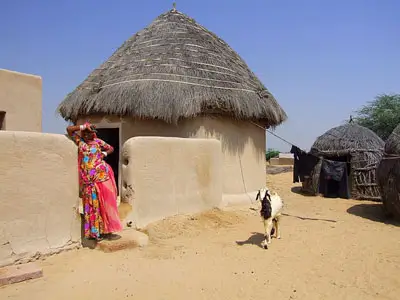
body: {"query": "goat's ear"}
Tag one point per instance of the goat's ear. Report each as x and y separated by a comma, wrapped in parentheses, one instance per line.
(267, 195)
(258, 195)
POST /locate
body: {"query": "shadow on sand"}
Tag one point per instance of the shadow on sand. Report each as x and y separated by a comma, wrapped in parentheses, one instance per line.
(298, 190)
(373, 212)
(255, 239)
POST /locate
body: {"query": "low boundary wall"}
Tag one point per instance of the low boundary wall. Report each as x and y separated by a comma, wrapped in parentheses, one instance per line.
(38, 195)
(162, 177)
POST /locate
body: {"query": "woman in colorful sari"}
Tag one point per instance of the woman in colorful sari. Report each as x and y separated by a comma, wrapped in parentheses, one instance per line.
(97, 183)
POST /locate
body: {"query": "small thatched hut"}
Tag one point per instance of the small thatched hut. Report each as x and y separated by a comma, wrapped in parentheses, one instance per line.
(388, 174)
(177, 79)
(361, 149)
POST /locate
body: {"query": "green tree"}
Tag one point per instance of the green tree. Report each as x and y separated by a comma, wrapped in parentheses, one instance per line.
(381, 115)
(271, 153)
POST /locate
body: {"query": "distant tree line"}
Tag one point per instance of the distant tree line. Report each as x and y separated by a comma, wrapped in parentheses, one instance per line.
(271, 153)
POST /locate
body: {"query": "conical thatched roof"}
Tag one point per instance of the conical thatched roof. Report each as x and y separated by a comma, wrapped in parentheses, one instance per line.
(392, 145)
(346, 138)
(174, 68)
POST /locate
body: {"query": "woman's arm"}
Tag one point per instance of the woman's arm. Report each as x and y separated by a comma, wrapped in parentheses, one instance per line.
(72, 132)
(72, 129)
(106, 148)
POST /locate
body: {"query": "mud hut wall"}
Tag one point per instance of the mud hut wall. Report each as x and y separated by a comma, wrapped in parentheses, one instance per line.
(243, 148)
(20, 101)
(39, 195)
(165, 176)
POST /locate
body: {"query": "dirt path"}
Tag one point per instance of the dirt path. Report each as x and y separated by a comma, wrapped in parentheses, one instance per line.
(351, 255)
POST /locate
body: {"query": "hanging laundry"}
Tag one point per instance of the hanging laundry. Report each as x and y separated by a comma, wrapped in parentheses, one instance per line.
(334, 179)
(304, 164)
(333, 169)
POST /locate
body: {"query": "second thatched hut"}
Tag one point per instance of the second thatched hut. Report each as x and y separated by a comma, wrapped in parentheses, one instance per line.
(388, 174)
(177, 79)
(354, 150)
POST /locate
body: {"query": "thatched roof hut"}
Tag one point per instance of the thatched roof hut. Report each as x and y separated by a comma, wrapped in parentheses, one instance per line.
(175, 78)
(345, 139)
(388, 174)
(172, 69)
(361, 148)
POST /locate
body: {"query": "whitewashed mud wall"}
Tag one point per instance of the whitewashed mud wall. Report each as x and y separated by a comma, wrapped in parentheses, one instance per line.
(21, 100)
(162, 177)
(38, 195)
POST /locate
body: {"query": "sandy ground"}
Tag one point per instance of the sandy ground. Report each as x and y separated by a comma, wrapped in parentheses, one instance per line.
(330, 249)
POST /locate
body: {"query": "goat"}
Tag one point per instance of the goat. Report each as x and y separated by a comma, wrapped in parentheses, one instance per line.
(271, 208)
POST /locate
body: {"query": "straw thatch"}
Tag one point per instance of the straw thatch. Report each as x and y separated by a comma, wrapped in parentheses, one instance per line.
(363, 150)
(392, 145)
(173, 69)
(344, 139)
(388, 174)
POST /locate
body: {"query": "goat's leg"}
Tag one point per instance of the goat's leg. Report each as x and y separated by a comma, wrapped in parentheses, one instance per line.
(278, 228)
(273, 230)
(269, 228)
(264, 243)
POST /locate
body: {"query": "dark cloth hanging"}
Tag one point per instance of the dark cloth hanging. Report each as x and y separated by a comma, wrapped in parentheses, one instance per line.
(334, 179)
(334, 169)
(304, 164)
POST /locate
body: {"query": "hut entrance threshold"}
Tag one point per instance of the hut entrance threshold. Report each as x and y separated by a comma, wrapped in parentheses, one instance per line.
(111, 137)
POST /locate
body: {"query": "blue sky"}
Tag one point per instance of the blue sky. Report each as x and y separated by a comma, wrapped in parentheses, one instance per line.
(321, 59)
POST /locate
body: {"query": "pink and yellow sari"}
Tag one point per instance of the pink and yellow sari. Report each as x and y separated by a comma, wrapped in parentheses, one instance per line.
(98, 189)
(107, 194)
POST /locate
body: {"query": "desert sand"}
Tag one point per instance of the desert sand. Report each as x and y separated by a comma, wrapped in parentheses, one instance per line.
(330, 249)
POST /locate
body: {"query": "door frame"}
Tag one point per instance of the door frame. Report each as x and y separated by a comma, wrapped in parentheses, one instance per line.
(107, 124)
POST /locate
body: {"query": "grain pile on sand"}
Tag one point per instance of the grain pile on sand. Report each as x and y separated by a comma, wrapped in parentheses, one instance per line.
(167, 236)
(192, 225)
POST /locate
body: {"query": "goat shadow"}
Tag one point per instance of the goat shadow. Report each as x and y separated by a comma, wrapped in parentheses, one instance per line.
(255, 239)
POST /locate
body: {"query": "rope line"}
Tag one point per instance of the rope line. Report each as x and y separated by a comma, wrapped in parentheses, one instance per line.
(281, 138)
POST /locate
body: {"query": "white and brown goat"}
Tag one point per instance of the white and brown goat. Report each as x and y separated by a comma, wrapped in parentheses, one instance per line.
(271, 208)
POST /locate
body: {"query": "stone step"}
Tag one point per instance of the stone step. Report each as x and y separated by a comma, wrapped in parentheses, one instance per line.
(128, 239)
(19, 273)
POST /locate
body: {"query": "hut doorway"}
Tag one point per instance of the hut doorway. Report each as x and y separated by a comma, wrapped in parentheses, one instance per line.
(335, 177)
(2, 120)
(111, 137)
